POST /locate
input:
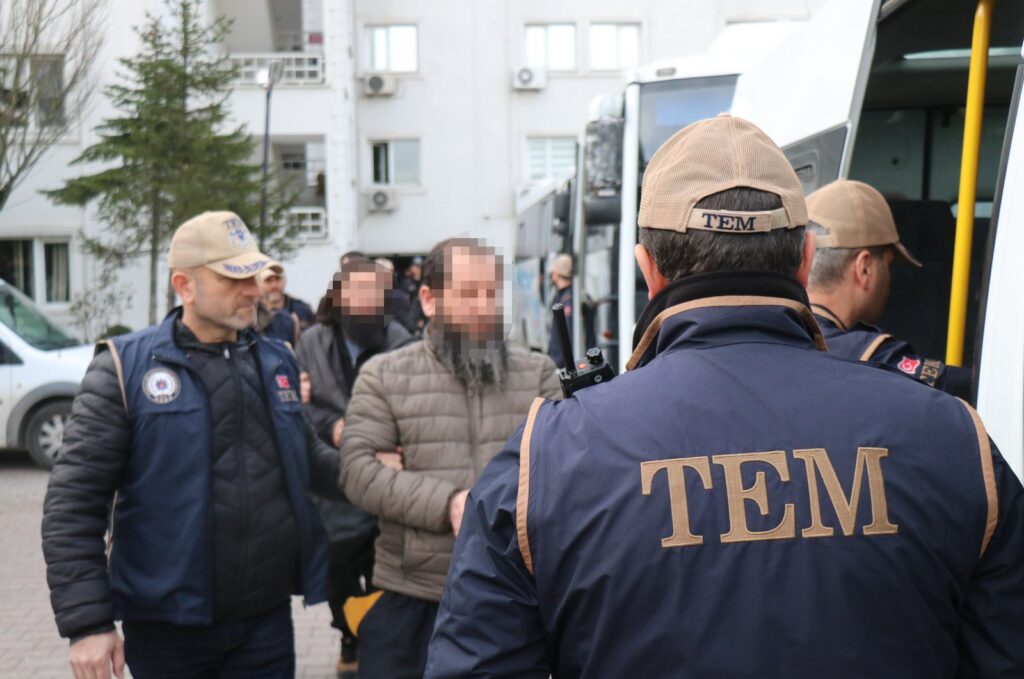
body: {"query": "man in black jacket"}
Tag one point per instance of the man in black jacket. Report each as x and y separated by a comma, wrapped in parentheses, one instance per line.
(350, 331)
(188, 442)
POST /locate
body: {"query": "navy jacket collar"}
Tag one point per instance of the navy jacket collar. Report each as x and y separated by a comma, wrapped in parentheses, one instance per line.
(165, 345)
(824, 316)
(773, 306)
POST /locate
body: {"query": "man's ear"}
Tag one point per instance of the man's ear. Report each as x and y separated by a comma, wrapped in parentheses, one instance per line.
(655, 281)
(803, 273)
(427, 301)
(184, 283)
(864, 265)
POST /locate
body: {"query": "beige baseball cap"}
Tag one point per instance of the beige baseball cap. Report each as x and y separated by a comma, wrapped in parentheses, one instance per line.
(272, 268)
(562, 266)
(711, 156)
(221, 242)
(855, 216)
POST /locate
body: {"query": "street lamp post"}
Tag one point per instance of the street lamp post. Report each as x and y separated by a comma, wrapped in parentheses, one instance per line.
(267, 78)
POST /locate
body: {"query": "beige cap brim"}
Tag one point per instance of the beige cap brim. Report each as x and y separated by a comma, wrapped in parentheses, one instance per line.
(273, 268)
(243, 266)
(903, 252)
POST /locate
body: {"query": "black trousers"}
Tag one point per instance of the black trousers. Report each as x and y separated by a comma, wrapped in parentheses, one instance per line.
(259, 648)
(393, 637)
(350, 574)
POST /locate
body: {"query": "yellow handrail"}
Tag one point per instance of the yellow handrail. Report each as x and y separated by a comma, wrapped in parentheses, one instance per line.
(968, 183)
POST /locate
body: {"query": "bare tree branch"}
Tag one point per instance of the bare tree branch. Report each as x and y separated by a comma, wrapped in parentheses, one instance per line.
(47, 51)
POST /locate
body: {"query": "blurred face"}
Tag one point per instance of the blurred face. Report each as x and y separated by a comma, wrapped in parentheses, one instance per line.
(469, 305)
(879, 287)
(217, 300)
(272, 291)
(362, 293)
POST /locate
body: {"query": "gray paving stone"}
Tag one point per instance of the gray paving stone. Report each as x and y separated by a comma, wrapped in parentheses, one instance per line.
(30, 647)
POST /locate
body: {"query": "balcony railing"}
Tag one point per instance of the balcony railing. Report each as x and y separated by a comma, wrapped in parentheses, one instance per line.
(312, 221)
(297, 68)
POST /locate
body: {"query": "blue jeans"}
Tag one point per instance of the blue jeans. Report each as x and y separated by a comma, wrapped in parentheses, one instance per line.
(258, 648)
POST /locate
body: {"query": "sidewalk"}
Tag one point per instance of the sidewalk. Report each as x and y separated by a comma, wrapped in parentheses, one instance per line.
(29, 645)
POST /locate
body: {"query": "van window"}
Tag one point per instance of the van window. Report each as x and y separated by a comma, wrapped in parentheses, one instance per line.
(19, 314)
(668, 106)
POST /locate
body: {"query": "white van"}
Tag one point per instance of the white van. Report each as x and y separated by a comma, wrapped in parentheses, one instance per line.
(41, 368)
(873, 90)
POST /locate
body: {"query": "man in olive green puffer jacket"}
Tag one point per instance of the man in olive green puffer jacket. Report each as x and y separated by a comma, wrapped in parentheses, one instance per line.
(449, 403)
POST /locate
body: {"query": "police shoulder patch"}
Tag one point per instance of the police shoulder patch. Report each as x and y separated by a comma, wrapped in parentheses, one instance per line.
(161, 385)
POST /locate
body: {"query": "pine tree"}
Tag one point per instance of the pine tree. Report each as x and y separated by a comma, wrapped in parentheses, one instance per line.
(168, 154)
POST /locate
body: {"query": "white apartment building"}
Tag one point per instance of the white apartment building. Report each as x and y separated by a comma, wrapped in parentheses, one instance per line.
(407, 121)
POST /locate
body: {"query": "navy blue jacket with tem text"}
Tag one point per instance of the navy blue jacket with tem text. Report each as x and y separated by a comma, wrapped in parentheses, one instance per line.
(863, 342)
(740, 504)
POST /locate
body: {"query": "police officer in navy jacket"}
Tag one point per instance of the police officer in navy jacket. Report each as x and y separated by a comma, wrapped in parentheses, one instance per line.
(187, 444)
(739, 503)
(856, 242)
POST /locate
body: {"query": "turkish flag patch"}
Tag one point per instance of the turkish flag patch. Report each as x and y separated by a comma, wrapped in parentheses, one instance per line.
(909, 365)
(282, 382)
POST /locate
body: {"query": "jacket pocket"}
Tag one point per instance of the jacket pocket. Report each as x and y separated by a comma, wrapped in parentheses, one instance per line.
(421, 549)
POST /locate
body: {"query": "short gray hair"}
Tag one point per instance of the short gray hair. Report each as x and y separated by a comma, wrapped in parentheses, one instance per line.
(830, 264)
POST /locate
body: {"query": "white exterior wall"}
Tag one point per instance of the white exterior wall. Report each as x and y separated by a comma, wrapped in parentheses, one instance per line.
(472, 125)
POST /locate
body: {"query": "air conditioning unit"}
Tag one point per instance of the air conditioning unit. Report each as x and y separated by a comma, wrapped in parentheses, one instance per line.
(379, 85)
(381, 200)
(529, 78)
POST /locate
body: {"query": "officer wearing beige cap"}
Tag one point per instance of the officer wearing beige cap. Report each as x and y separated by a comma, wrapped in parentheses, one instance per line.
(740, 503)
(850, 282)
(190, 437)
(273, 320)
(273, 296)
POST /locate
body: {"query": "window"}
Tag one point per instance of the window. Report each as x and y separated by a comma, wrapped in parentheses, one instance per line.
(48, 85)
(293, 161)
(20, 263)
(393, 49)
(550, 157)
(16, 264)
(396, 162)
(32, 85)
(8, 357)
(312, 221)
(551, 46)
(14, 90)
(19, 314)
(668, 106)
(614, 47)
(58, 283)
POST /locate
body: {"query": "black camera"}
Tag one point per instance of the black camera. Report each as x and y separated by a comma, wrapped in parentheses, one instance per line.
(579, 373)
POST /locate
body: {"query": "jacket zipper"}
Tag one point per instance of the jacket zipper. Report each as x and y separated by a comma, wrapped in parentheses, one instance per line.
(244, 474)
(473, 415)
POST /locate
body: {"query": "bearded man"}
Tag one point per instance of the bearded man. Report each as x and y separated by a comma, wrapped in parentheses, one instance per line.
(449, 403)
(351, 330)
